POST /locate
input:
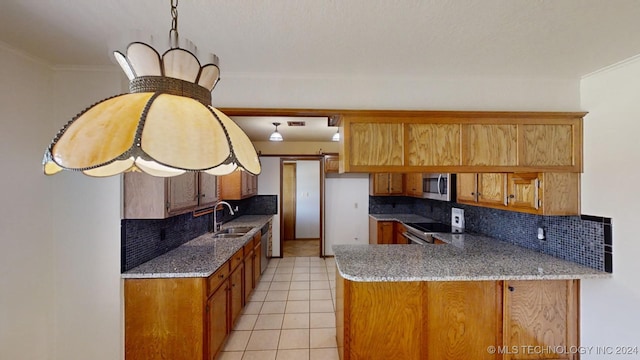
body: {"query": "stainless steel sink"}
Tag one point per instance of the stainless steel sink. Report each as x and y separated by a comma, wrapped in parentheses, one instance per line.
(228, 235)
(233, 230)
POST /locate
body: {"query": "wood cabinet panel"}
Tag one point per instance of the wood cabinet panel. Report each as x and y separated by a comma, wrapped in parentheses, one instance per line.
(463, 319)
(208, 190)
(238, 185)
(489, 145)
(159, 329)
(248, 274)
(540, 313)
(331, 163)
(547, 145)
(535, 193)
(433, 144)
(382, 184)
(379, 144)
(524, 191)
(413, 184)
(561, 193)
(467, 188)
(217, 326)
(492, 189)
(183, 192)
(235, 294)
(384, 320)
(149, 197)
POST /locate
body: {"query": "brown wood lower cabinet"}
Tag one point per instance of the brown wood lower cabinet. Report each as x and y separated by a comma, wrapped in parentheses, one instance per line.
(456, 319)
(187, 318)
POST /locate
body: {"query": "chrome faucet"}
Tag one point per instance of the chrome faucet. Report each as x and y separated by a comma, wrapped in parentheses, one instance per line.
(215, 213)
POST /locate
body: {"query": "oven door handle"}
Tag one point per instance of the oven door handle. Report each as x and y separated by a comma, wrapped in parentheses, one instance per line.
(414, 239)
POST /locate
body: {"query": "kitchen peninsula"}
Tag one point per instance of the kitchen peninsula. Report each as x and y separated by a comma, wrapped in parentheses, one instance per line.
(454, 301)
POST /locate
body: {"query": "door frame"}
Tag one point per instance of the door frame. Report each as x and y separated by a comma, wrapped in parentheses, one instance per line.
(320, 159)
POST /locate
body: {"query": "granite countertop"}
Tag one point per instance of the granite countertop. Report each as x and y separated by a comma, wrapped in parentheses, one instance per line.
(201, 256)
(463, 257)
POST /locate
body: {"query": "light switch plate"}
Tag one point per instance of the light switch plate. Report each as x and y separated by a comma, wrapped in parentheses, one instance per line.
(457, 217)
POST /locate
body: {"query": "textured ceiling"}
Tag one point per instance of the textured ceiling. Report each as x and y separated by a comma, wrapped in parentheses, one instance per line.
(359, 38)
(445, 38)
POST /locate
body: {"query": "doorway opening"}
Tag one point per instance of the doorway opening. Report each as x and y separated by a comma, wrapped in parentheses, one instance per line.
(301, 206)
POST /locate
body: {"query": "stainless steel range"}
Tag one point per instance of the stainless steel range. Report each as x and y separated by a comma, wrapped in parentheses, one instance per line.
(422, 233)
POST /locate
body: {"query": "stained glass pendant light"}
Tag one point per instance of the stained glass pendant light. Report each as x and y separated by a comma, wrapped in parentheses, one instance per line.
(164, 126)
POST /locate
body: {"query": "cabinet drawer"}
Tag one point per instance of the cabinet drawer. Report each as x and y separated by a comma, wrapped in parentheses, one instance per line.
(217, 278)
(248, 247)
(237, 258)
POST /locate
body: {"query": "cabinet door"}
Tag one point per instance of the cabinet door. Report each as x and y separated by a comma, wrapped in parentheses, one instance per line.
(331, 163)
(396, 184)
(379, 184)
(208, 189)
(434, 144)
(467, 188)
(489, 145)
(385, 232)
(376, 144)
(492, 189)
(463, 319)
(413, 184)
(257, 261)
(183, 192)
(524, 192)
(217, 319)
(547, 145)
(235, 290)
(540, 313)
(398, 237)
(248, 276)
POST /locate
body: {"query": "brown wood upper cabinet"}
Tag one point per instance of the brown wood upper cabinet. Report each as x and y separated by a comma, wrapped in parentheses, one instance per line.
(386, 184)
(453, 142)
(331, 163)
(238, 185)
(413, 184)
(535, 193)
(149, 197)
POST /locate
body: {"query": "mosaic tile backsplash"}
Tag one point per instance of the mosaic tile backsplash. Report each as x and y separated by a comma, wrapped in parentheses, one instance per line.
(582, 239)
(145, 239)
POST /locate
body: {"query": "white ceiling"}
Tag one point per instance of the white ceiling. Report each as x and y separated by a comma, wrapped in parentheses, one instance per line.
(259, 128)
(381, 38)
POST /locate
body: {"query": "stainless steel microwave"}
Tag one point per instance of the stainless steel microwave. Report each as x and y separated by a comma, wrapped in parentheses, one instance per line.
(439, 186)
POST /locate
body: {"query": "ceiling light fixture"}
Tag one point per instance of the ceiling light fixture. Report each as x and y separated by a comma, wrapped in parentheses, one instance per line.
(276, 136)
(164, 126)
(336, 136)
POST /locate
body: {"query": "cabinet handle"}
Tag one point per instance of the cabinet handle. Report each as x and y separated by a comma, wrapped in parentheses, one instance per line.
(511, 288)
(536, 201)
(512, 196)
(473, 194)
(221, 276)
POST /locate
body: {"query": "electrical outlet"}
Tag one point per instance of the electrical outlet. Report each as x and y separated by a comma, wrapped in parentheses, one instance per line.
(457, 217)
(541, 235)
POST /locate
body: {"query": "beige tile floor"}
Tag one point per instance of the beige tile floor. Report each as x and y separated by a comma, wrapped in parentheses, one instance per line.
(290, 314)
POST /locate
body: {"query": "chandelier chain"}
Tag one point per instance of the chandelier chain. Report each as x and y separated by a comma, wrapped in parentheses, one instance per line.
(173, 33)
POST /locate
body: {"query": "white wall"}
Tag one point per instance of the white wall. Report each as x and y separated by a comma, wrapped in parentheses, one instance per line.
(385, 92)
(307, 199)
(26, 279)
(610, 308)
(86, 235)
(346, 210)
(269, 184)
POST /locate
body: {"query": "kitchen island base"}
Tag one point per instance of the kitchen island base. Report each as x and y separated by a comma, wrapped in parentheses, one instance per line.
(505, 319)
